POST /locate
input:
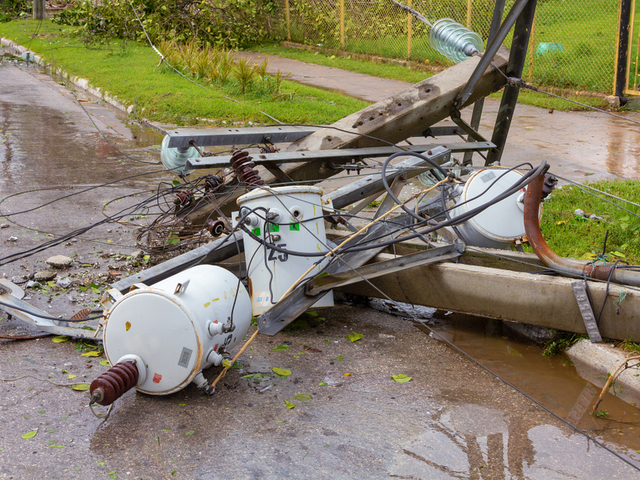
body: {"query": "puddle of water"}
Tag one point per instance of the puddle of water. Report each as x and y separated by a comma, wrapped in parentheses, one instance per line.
(552, 381)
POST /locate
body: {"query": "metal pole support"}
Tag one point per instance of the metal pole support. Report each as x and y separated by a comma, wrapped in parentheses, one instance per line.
(38, 9)
(517, 59)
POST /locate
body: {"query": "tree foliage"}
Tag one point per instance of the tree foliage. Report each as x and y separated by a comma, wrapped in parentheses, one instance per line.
(226, 23)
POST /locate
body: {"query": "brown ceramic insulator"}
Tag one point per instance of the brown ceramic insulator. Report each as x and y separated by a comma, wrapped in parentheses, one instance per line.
(183, 198)
(112, 384)
(243, 166)
(82, 314)
(215, 227)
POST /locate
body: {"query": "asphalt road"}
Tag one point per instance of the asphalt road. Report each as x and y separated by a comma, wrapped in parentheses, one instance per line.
(452, 420)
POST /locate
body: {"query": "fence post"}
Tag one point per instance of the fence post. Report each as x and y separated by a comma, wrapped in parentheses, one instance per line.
(619, 83)
(342, 23)
(532, 44)
(38, 9)
(286, 13)
(409, 30)
(469, 14)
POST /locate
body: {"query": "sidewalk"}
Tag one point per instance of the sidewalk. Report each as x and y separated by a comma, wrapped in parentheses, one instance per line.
(578, 145)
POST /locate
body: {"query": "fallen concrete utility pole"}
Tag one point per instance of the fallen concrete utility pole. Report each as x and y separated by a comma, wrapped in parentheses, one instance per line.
(407, 114)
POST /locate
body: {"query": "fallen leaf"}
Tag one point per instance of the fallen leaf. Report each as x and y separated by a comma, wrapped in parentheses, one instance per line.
(81, 387)
(190, 432)
(30, 434)
(282, 371)
(104, 362)
(282, 421)
(181, 404)
(312, 313)
(71, 376)
(167, 431)
(60, 339)
(347, 374)
(226, 363)
(354, 337)
(401, 378)
(311, 349)
(280, 348)
(289, 404)
(302, 397)
(93, 353)
(41, 412)
(322, 384)
(101, 463)
(56, 446)
(561, 222)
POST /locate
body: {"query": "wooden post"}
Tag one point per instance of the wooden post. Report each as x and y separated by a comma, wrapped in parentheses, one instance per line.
(469, 14)
(409, 30)
(342, 23)
(286, 13)
(38, 9)
(532, 45)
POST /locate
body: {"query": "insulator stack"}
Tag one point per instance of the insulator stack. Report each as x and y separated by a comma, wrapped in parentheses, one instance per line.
(243, 166)
(454, 41)
(112, 384)
(215, 227)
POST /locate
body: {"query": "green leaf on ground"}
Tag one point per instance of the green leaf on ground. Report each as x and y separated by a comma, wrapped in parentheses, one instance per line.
(282, 371)
(322, 384)
(104, 362)
(30, 434)
(81, 387)
(190, 432)
(226, 363)
(302, 397)
(60, 339)
(401, 378)
(289, 404)
(94, 353)
(354, 337)
(280, 348)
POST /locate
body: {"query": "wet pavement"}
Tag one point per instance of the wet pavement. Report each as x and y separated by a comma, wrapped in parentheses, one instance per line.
(453, 420)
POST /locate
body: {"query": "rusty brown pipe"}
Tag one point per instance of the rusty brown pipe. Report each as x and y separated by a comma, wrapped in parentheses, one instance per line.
(562, 265)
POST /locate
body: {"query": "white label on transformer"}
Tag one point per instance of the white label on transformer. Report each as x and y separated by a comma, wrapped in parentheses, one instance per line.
(185, 356)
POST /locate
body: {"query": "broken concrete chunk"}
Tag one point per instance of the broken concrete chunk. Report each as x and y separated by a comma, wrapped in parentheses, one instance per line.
(59, 261)
(13, 239)
(44, 276)
(63, 282)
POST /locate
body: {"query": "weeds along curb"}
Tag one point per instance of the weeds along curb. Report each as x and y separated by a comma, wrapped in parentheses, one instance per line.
(18, 50)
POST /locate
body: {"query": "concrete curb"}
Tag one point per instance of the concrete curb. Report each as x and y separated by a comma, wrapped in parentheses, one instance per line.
(18, 50)
(595, 361)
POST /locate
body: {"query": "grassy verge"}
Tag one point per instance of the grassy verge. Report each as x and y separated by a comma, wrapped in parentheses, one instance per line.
(411, 75)
(574, 236)
(129, 72)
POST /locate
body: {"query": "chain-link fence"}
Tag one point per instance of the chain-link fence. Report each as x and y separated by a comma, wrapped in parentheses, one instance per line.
(573, 42)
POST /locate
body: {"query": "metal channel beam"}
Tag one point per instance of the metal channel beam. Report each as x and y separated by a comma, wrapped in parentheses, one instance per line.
(340, 155)
(371, 184)
(181, 137)
(213, 252)
(320, 285)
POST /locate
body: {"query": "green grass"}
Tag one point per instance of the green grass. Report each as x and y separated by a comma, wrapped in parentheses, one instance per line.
(571, 236)
(411, 75)
(130, 73)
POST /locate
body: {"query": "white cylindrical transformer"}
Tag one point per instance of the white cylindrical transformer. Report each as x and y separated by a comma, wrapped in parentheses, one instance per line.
(178, 326)
(293, 218)
(500, 225)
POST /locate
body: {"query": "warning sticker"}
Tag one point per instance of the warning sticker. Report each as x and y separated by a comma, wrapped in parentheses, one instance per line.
(157, 377)
(185, 356)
